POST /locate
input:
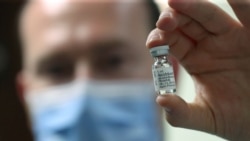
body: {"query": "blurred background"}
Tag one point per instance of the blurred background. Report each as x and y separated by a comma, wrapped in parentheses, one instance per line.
(13, 120)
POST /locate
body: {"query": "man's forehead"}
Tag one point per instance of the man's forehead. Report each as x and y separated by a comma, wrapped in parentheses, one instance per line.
(100, 14)
(54, 6)
(40, 12)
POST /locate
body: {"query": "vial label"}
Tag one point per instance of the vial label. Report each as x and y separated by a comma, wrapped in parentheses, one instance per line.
(164, 79)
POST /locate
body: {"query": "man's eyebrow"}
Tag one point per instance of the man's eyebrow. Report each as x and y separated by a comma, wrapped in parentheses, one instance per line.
(109, 45)
(52, 58)
(98, 48)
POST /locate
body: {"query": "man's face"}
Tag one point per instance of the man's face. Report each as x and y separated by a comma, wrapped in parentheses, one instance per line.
(85, 39)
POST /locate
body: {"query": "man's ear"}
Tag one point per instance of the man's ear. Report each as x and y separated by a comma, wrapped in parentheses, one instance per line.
(20, 86)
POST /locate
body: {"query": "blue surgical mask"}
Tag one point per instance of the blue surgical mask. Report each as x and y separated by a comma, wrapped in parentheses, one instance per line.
(95, 111)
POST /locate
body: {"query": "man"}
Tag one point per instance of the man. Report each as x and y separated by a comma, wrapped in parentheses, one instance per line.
(214, 48)
(86, 73)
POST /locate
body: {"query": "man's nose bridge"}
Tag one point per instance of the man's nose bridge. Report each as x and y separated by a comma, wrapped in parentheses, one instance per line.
(83, 70)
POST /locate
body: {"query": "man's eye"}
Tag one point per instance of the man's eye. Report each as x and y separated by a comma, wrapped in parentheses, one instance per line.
(108, 64)
(114, 62)
(111, 63)
(58, 71)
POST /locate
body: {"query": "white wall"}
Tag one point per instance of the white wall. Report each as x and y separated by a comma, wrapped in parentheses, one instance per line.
(186, 91)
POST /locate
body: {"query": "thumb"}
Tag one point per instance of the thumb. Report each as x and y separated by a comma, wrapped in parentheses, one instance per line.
(187, 115)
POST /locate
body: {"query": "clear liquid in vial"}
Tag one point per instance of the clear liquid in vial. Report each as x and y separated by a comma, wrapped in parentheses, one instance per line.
(163, 74)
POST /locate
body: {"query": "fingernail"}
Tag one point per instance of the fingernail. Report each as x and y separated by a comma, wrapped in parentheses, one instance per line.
(153, 36)
(166, 21)
(166, 15)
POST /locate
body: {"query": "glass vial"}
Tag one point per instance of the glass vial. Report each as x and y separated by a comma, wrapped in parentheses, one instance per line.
(162, 70)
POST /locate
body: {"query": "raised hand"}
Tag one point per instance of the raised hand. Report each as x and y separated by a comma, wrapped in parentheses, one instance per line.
(214, 48)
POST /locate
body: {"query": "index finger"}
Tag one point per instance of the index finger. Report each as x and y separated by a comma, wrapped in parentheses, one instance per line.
(210, 16)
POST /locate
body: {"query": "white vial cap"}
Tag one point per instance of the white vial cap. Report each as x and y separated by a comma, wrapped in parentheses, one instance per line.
(159, 50)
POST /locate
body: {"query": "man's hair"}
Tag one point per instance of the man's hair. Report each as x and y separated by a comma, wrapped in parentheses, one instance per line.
(154, 12)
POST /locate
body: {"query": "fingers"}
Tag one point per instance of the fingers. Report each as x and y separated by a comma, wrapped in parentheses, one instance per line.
(181, 114)
(171, 20)
(208, 15)
(179, 44)
(177, 110)
(242, 10)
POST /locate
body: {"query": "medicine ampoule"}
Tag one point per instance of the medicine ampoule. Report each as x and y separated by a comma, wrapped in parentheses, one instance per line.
(162, 70)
